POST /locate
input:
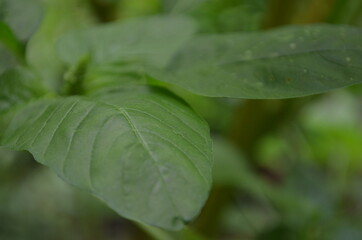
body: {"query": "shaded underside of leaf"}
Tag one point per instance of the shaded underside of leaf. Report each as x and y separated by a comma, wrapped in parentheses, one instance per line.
(288, 62)
(145, 154)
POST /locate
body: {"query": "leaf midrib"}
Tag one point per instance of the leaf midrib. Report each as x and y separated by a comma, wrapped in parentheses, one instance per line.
(149, 152)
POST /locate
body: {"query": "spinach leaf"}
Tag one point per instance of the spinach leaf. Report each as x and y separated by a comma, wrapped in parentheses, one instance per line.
(144, 153)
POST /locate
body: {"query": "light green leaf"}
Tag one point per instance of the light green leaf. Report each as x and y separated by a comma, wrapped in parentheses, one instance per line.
(287, 62)
(151, 40)
(59, 17)
(145, 154)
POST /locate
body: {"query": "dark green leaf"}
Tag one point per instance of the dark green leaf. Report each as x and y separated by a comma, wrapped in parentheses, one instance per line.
(145, 154)
(288, 62)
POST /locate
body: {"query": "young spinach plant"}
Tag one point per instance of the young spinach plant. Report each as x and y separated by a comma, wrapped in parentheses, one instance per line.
(115, 130)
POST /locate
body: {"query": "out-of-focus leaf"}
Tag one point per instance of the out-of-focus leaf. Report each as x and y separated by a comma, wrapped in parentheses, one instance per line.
(7, 59)
(145, 154)
(23, 16)
(230, 170)
(151, 40)
(229, 165)
(19, 86)
(180, 6)
(288, 62)
(215, 16)
(59, 18)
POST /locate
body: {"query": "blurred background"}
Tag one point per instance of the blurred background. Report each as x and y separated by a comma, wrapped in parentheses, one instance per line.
(284, 169)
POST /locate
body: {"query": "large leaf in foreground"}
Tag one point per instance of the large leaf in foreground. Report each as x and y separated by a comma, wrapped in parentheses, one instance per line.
(145, 154)
(288, 62)
(151, 40)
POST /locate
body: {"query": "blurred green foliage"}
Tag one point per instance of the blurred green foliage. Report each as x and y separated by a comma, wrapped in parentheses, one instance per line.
(302, 179)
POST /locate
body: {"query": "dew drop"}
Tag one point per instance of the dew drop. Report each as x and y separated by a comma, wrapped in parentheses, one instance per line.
(248, 54)
(293, 45)
(348, 59)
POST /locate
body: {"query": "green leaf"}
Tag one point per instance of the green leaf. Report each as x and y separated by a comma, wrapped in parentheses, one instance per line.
(151, 40)
(145, 154)
(18, 87)
(288, 62)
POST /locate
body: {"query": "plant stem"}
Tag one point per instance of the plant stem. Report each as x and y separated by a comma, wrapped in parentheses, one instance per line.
(74, 78)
